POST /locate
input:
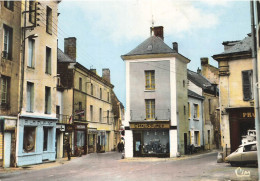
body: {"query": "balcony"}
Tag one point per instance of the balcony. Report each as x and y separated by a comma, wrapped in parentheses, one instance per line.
(160, 114)
(63, 119)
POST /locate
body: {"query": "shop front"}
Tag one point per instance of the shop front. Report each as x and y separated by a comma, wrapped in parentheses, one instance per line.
(240, 120)
(92, 139)
(150, 139)
(80, 139)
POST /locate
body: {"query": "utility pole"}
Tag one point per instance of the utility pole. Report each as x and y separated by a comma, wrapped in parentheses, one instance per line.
(255, 81)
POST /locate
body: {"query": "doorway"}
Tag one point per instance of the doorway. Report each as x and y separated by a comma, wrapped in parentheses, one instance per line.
(137, 144)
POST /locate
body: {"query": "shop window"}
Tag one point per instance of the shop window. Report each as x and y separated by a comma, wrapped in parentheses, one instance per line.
(49, 20)
(48, 61)
(80, 138)
(91, 139)
(30, 97)
(29, 139)
(5, 91)
(31, 49)
(46, 131)
(47, 100)
(9, 5)
(149, 80)
(150, 109)
(247, 79)
(8, 42)
(196, 111)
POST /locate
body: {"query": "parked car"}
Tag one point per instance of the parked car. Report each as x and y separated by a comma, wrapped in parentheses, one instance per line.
(245, 154)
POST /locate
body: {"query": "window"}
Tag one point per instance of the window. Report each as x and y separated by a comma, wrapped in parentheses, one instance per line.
(100, 90)
(8, 38)
(196, 111)
(80, 84)
(5, 90)
(30, 96)
(107, 96)
(45, 138)
(108, 116)
(47, 100)
(48, 60)
(251, 147)
(189, 109)
(100, 114)
(32, 7)
(91, 89)
(184, 110)
(31, 45)
(29, 139)
(80, 138)
(149, 80)
(150, 108)
(247, 79)
(49, 20)
(183, 82)
(91, 112)
(9, 4)
(209, 106)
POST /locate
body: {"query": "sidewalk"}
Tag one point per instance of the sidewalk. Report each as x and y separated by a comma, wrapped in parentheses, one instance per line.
(182, 157)
(40, 166)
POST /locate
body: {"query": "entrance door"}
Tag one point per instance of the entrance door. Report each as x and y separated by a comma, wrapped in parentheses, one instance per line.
(137, 144)
(185, 143)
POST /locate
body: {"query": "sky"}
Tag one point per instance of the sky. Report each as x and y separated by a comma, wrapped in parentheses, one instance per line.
(107, 29)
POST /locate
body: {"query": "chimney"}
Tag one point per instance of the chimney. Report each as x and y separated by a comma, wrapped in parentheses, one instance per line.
(157, 31)
(204, 61)
(93, 70)
(70, 47)
(106, 74)
(175, 47)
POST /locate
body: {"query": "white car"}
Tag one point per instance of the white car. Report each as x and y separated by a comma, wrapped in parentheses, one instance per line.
(245, 154)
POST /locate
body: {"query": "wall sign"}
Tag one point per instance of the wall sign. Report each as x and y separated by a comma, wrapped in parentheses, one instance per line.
(10, 124)
(155, 125)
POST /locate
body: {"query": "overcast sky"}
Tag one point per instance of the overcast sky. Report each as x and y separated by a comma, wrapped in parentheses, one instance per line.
(107, 29)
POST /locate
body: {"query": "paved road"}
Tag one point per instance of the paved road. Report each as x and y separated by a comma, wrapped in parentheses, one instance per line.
(110, 166)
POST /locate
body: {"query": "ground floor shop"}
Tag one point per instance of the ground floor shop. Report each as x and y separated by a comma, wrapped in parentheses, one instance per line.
(35, 140)
(240, 121)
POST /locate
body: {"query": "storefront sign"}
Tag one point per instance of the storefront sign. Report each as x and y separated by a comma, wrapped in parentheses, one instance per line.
(150, 125)
(60, 127)
(248, 115)
(69, 128)
(81, 126)
(10, 124)
(92, 131)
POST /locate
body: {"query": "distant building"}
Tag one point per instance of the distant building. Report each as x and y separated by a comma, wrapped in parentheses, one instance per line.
(156, 119)
(87, 104)
(236, 92)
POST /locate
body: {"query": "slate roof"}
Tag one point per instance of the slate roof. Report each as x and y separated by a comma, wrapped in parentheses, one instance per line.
(194, 94)
(198, 79)
(238, 46)
(62, 57)
(152, 45)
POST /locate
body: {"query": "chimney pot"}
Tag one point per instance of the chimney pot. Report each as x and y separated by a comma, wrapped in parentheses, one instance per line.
(70, 47)
(204, 60)
(175, 47)
(106, 74)
(157, 31)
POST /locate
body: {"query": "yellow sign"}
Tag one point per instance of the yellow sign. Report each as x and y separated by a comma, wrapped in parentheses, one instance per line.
(248, 115)
(150, 125)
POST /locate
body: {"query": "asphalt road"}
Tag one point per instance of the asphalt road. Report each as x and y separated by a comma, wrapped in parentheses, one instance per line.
(110, 166)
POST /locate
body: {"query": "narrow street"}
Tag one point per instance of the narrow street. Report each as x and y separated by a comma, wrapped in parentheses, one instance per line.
(110, 166)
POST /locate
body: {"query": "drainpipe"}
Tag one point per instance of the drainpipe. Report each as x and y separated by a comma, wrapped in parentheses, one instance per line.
(255, 81)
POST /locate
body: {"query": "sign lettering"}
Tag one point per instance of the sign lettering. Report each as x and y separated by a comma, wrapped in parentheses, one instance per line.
(149, 125)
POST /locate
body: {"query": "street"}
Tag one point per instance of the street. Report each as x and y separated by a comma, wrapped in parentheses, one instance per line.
(110, 166)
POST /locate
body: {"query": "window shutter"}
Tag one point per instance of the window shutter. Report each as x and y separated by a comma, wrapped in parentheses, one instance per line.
(247, 93)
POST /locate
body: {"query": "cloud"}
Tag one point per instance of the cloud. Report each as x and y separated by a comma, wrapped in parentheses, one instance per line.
(131, 19)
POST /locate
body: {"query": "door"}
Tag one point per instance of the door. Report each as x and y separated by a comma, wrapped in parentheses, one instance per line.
(137, 144)
(185, 143)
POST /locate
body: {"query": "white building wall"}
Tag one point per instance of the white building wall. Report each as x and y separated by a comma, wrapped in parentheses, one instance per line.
(129, 152)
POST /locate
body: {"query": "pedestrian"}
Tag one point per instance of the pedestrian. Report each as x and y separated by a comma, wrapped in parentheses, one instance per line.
(68, 151)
